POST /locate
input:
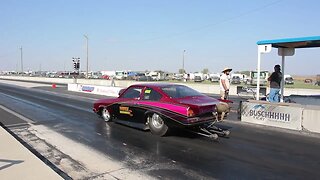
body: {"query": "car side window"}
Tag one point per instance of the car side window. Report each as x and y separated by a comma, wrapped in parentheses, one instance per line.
(132, 93)
(171, 91)
(151, 95)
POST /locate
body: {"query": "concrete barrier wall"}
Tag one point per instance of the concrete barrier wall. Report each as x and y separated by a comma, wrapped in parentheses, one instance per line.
(283, 115)
(38, 79)
(311, 119)
(280, 115)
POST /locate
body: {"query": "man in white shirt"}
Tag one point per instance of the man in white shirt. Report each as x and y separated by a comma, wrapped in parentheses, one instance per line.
(225, 83)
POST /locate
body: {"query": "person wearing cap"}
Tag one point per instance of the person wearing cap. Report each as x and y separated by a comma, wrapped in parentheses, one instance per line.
(225, 83)
(275, 81)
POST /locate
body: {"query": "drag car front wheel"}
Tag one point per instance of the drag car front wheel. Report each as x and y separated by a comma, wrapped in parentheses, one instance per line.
(157, 125)
(105, 114)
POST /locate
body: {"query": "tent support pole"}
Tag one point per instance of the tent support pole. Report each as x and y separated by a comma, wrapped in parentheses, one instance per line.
(282, 80)
(258, 78)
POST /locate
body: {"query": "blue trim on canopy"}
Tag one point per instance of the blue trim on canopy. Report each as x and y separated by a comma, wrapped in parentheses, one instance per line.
(302, 42)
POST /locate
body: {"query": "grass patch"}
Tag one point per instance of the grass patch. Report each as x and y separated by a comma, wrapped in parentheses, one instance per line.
(298, 84)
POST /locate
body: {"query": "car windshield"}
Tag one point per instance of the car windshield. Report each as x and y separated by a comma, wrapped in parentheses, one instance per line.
(132, 92)
(179, 91)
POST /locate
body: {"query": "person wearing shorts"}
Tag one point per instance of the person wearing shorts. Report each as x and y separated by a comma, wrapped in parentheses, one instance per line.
(225, 83)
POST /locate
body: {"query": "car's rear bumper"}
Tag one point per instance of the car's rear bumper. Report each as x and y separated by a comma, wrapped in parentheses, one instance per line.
(193, 121)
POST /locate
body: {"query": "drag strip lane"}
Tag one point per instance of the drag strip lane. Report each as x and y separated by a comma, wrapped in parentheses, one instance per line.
(12, 119)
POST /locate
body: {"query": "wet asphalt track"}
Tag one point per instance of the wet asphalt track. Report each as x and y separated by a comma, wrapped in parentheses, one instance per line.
(251, 152)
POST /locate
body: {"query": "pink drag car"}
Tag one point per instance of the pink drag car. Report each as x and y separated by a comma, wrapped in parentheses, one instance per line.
(161, 107)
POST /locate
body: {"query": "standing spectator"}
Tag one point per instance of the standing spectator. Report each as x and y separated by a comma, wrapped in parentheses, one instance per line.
(113, 84)
(275, 81)
(185, 77)
(225, 83)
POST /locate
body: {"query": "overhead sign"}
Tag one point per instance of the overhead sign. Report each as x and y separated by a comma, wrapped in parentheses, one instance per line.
(266, 48)
(272, 114)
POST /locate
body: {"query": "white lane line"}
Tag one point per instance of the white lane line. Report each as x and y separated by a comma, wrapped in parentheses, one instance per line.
(19, 125)
(16, 114)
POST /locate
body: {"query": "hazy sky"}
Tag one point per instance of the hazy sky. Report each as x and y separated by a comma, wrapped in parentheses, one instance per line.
(151, 35)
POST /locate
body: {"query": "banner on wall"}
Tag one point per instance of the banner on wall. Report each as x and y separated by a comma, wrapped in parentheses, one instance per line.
(272, 114)
(101, 90)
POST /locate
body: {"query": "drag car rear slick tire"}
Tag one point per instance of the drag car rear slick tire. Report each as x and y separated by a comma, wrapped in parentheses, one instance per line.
(157, 125)
(105, 114)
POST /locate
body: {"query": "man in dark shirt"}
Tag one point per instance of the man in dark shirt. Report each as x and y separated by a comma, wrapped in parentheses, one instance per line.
(275, 81)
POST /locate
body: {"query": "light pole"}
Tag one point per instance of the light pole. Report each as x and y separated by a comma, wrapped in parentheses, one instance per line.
(21, 59)
(183, 60)
(87, 39)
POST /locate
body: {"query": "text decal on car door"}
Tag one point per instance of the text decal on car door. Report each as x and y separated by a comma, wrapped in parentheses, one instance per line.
(125, 110)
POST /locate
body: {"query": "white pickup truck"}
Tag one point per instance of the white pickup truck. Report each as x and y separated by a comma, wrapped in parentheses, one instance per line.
(253, 79)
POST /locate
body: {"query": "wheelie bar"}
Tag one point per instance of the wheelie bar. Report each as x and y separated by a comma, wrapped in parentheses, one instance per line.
(211, 132)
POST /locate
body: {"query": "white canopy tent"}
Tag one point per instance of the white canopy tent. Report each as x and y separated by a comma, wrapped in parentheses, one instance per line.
(286, 47)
